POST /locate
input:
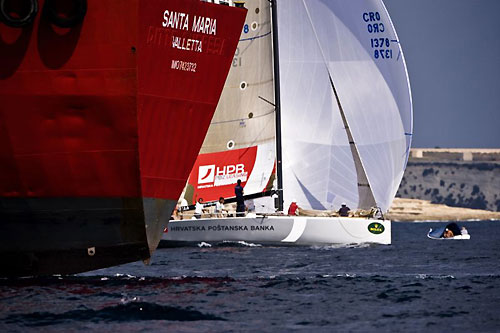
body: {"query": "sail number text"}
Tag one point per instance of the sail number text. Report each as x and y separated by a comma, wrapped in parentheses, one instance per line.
(381, 45)
(383, 54)
(380, 42)
(237, 58)
(373, 19)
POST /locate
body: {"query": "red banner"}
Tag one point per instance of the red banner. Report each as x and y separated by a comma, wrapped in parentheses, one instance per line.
(215, 175)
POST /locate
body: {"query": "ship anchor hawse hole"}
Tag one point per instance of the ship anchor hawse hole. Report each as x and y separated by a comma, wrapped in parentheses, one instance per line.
(64, 13)
(18, 14)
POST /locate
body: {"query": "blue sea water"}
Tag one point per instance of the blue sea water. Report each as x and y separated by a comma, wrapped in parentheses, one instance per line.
(415, 284)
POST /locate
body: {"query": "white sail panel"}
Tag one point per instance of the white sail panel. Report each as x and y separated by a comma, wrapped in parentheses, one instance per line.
(353, 44)
(318, 170)
(245, 114)
(262, 170)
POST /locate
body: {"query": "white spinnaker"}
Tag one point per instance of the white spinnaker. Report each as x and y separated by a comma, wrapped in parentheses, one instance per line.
(319, 39)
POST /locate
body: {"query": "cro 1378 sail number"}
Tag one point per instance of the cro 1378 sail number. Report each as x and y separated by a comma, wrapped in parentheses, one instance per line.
(381, 53)
(380, 42)
(382, 45)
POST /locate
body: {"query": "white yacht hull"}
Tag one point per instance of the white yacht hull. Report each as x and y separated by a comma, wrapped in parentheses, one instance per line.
(278, 230)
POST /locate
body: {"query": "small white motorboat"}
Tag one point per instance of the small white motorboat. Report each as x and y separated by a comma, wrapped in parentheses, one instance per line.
(439, 233)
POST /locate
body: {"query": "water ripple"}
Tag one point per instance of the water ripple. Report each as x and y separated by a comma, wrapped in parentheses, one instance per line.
(132, 311)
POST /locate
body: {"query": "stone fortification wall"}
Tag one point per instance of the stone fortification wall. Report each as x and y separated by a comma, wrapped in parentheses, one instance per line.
(455, 177)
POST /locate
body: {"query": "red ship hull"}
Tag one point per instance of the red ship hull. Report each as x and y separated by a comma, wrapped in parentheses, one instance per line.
(93, 124)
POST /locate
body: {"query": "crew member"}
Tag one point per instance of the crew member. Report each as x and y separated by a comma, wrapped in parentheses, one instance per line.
(240, 201)
(344, 210)
(294, 208)
(183, 204)
(198, 208)
(220, 211)
(448, 233)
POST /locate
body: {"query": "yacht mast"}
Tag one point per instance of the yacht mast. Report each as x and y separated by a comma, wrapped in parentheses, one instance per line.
(277, 102)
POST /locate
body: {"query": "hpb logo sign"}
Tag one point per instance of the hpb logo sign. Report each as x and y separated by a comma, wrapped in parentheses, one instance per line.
(376, 228)
(212, 175)
(206, 174)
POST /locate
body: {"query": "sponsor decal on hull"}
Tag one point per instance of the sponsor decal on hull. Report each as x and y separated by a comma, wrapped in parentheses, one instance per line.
(219, 228)
(376, 228)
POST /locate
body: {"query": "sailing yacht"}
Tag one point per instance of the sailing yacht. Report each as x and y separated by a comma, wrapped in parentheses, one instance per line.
(321, 115)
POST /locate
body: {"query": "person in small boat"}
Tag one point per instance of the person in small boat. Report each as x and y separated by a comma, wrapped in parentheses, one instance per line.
(198, 208)
(220, 211)
(464, 231)
(294, 208)
(448, 233)
(344, 210)
(240, 201)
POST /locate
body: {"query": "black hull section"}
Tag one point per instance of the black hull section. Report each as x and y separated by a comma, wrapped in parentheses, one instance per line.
(69, 261)
(44, 236)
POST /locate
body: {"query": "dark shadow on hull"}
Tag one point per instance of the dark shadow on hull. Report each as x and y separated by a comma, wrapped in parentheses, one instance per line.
(32, 263)
(42, 236)
(13, 46)
(56, 45)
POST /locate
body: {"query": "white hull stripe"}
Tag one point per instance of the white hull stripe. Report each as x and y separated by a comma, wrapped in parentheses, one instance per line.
(299, 225)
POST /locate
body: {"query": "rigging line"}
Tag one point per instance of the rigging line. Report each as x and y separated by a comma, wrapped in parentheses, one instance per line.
(240, 119)
(252, 39)
(255, 37)
(407, 152)
(265, 100)
(344, 118)
(352, 144)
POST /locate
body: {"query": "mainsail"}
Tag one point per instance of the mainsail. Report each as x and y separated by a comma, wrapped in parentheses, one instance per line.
(342, 56)
(240, 142)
